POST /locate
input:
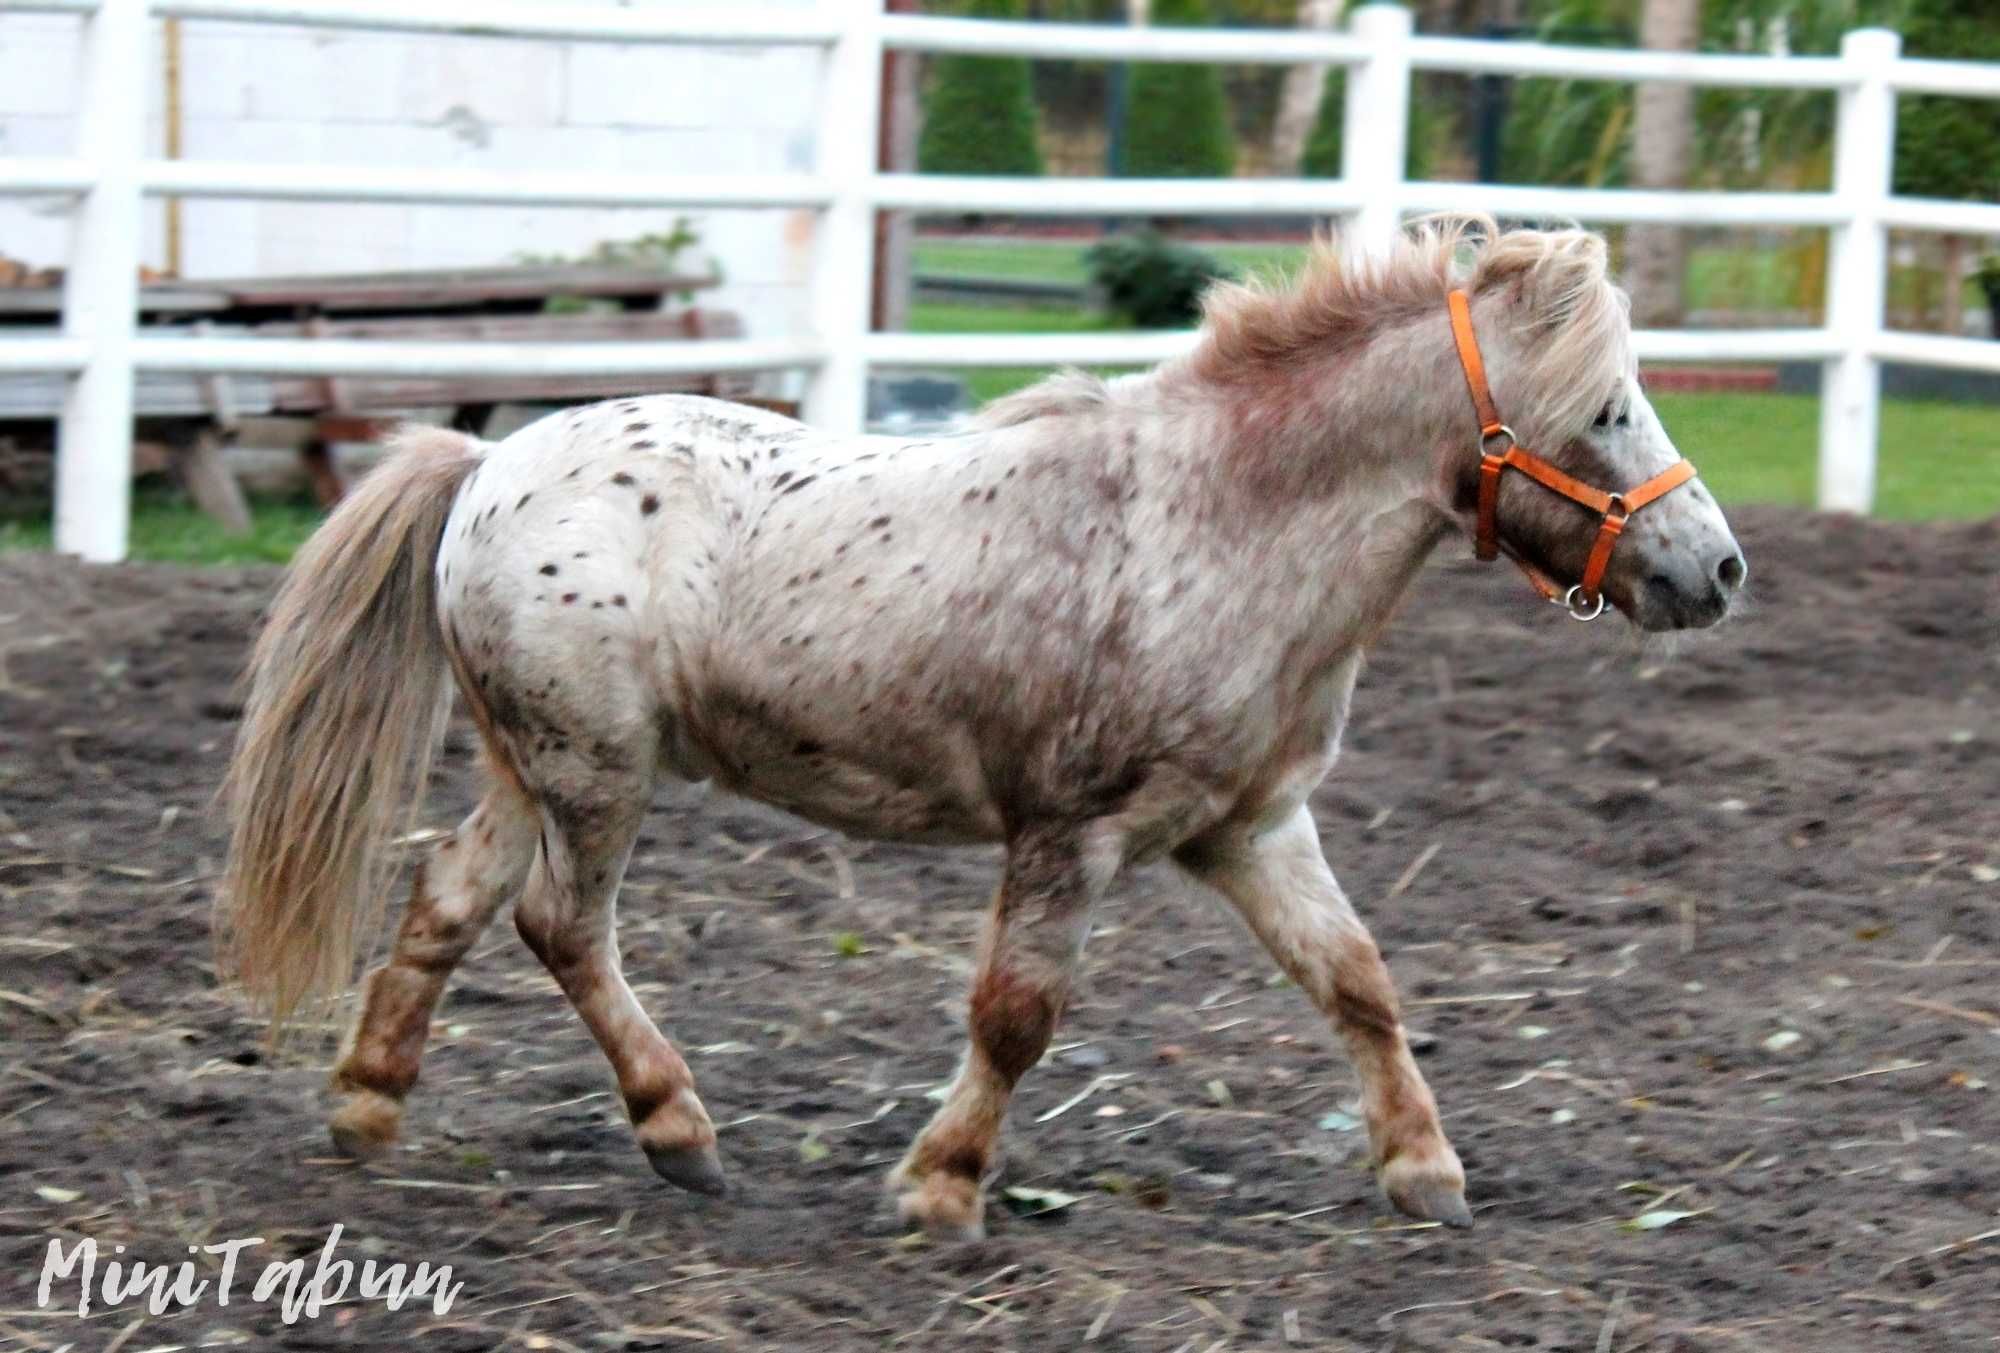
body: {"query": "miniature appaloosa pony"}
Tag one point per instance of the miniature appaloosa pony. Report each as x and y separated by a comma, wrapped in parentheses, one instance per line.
(1119, 621)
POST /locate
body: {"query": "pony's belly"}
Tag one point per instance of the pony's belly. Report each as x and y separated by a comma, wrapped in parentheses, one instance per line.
(921, 782)
(864, 802)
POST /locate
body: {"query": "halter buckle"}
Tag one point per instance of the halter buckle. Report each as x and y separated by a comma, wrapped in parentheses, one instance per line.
(1571, 598)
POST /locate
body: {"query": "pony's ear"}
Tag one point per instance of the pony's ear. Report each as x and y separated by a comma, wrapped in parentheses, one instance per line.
(1551, 275)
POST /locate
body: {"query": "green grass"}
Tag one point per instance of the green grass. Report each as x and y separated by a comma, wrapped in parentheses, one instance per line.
(1935, 459)
(168, 529)
(1062, 260)
(1718, 278)
(1938, 461)
(957, 317)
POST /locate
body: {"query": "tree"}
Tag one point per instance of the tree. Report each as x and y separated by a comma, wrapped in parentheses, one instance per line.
(1950, 147)
(979, 112)
(1177, 125)
(1662, 147)
(1303, 97)
(1322, 159)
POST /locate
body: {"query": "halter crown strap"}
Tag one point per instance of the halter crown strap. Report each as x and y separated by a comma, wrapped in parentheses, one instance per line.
(1475, 366)
(1615, 508)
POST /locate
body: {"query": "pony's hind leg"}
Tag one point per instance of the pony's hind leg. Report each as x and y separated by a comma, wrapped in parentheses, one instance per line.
(458, 888)
(1280, 883)
(567, 917)
(1027, 960)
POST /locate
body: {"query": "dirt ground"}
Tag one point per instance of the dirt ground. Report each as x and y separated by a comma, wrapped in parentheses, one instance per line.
(1713, 934)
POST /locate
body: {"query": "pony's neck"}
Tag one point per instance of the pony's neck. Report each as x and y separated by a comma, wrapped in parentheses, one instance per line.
(1341, 435)
(1339, 464)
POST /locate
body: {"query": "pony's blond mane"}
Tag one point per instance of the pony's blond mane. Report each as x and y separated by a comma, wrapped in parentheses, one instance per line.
(1570, 348)
(1557, 281)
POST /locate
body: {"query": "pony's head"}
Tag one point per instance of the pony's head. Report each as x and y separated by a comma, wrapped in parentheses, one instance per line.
(1556, 338)
(1354, 360)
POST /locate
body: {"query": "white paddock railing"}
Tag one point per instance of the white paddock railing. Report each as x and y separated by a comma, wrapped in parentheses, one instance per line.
(100, 348)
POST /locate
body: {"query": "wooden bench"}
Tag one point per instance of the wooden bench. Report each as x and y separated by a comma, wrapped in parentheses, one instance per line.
(185, 421)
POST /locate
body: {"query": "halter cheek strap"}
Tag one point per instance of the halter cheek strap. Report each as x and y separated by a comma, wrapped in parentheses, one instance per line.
(1584, 600)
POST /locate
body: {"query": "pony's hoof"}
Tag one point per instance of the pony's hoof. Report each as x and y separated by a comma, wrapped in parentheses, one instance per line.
(680, 1142)
(698, 1169)
(1428, 1188)
(947, 1206)
(365, 1124)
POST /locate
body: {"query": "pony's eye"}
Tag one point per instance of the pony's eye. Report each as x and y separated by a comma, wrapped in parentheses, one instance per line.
(1604, 417)
(1624, 420)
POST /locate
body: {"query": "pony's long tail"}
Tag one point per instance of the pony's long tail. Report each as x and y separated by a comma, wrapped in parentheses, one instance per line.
(349, 686)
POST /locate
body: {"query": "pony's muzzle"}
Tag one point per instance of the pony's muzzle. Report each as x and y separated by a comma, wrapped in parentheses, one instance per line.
(1732, 572)
(1673, 605)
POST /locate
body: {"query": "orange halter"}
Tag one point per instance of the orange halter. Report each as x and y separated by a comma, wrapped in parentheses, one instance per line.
(1584, 601)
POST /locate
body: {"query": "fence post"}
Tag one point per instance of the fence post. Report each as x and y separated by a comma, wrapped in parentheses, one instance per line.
(1857, 272)
(843, 255)
(101, 288)
(1374, 135)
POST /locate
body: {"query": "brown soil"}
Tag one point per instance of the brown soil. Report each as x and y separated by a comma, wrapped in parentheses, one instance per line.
(1605, 880)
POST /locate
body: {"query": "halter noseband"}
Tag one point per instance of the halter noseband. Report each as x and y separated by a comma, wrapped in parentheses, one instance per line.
(1584, 601)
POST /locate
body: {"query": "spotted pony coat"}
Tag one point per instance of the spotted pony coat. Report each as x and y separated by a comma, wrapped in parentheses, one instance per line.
(1117, 622)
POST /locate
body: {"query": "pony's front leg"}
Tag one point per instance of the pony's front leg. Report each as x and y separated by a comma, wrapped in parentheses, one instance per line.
(1027, 959)
(1280, 883)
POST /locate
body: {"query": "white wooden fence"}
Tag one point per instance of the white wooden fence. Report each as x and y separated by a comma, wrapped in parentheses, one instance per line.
(100, 349)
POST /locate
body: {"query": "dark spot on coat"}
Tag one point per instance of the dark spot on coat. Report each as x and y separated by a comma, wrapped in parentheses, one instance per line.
(645, 446)
(649, 504)
(524, 501)
(637, 427)
(548, 570)
(618, 600)
(801, 484)
(622, 479)
(878, 523)
(569, 598)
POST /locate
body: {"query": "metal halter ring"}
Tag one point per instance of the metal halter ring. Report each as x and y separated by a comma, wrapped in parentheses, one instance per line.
(1501, 431)
(1570, 599)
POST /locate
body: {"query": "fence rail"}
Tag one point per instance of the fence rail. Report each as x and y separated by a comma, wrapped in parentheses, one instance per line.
(99, 348)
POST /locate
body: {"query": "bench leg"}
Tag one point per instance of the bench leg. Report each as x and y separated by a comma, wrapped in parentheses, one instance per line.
(209, 482)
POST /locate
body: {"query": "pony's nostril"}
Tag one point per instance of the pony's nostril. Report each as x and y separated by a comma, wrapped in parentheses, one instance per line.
(1732, 571)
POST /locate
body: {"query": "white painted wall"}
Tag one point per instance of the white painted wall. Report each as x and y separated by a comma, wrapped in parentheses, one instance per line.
(285, 96)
